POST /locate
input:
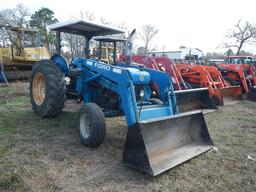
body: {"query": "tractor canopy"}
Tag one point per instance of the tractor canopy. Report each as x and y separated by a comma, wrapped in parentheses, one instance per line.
(84, 28)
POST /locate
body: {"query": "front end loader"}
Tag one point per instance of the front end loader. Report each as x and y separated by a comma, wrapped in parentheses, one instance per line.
(240, 71)
(187, 97)
(159, 136)
(209, 76)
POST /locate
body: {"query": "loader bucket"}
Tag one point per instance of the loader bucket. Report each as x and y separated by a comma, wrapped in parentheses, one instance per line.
(194, 99)
(232, 94)
(217, 97)
(154, 146)
(251, 95)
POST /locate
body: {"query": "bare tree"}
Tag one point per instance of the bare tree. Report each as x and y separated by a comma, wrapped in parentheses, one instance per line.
(76, 44)
(120, 45)
(147, 34)
(242, 34)
(18, 16)
(87, 15)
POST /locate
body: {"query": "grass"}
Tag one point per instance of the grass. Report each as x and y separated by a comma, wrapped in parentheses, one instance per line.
(4, 90)
(11, 181)
(17, 102)
(46, 155)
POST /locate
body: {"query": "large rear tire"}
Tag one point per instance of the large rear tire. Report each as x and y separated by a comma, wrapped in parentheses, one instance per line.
(91, 125)
(47, 89)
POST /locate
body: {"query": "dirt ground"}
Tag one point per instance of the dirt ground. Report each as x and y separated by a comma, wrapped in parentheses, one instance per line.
(46, 155)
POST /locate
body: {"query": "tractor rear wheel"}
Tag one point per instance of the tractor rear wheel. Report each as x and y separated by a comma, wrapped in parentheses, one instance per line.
(91, 125)
(47, 89)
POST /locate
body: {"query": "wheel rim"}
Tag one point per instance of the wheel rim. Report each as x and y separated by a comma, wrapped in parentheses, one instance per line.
(84, 126)
(38, 89)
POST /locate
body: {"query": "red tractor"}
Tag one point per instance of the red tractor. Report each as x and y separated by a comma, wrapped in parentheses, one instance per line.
(240, 71)
(187, 98)
(166, 65)
(209, 76)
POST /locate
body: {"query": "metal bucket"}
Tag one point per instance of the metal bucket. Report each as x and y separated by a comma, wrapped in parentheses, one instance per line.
(154, 146)
(194, 99)
(217, 97)
(232, 94)
(251, 95)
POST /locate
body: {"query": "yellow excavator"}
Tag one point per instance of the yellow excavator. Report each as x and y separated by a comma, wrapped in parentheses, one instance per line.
(105, 52)
(18, 58)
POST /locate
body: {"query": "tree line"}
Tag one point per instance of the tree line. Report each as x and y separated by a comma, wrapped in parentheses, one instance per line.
(21, 16)
(243, 33)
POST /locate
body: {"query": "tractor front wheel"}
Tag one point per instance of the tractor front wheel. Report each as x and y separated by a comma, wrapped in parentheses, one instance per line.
(91, 125)
(47, 89)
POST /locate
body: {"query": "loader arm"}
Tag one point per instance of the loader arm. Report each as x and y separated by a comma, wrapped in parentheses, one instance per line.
(122, 81)
(158, 136)
(187, 98)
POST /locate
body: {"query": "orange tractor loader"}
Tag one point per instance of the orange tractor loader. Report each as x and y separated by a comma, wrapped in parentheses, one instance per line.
(240, 71)
(209, 76)
(187, 98)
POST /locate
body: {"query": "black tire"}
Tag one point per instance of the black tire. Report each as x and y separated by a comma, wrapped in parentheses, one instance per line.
(51, 104)
(155, 101)
(91, 125)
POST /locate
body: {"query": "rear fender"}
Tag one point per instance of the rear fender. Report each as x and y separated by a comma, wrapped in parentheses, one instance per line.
(61, 62)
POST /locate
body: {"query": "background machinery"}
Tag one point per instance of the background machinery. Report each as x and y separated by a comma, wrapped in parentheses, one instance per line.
(158, 137)
(25, 49)
(240, 71)
(107, 51)
(209, 76)
(187, 97)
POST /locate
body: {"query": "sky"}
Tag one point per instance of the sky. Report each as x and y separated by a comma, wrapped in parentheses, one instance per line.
(201, 24)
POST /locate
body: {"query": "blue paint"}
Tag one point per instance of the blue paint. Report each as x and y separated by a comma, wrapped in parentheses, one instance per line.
(2, 77)
(61, 63)
(123, 80)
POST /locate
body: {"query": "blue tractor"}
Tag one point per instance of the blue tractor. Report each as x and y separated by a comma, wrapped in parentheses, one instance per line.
(2, 75)
(158, 137)
(187, 99)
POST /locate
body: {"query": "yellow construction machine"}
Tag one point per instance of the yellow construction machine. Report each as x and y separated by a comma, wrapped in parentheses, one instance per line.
(105, 52)
(24, 50)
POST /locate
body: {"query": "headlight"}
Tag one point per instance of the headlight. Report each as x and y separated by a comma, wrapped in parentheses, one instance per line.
(168, 91)
(142, 93)
(67, 79)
